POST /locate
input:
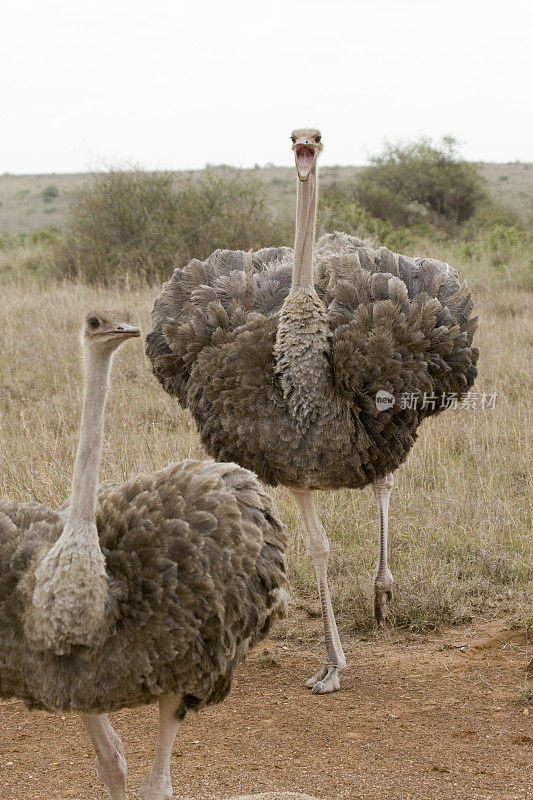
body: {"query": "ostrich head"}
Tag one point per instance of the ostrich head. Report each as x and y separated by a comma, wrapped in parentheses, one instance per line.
(307, 145)
(106, 330)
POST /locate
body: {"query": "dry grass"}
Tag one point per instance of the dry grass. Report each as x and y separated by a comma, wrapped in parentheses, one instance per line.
(460, 526)
(512, 185)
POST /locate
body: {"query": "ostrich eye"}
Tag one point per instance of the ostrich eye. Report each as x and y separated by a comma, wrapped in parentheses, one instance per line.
(293, 139)
(318, 139)
(94, 322)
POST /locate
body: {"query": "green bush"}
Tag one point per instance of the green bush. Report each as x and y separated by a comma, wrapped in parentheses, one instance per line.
(498, 244)
(50, 193)
(488, 214)
(339, 210)
(40, 237)
(143, 224)
(406, 183)
(506, 249)
(385, 204)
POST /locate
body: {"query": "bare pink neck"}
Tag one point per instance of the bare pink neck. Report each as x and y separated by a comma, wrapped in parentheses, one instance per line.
(86, 467)
(302, 274)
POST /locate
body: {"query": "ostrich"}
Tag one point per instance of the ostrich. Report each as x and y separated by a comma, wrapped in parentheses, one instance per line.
(153, 589)
(283, 358)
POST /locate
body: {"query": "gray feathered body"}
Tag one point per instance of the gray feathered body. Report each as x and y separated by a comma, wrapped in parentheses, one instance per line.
(196, 571)
(284, 383)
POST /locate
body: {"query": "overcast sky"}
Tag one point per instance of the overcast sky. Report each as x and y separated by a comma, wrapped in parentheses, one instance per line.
(174, 85)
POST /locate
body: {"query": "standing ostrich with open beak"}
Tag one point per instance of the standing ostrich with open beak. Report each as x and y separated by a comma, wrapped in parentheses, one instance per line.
(283, 358)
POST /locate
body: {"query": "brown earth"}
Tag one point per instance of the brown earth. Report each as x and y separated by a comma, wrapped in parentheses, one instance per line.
(417, 718)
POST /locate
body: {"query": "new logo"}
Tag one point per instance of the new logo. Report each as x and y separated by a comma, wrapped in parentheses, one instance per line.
(384, 400)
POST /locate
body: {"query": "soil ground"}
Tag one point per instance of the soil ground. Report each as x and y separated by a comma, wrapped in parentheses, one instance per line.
(417, 717)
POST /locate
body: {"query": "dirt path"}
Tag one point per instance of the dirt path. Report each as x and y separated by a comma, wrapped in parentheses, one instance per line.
(417, 718)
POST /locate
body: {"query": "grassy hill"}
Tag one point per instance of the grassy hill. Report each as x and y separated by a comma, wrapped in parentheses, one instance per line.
(512, 184)
(27, 202)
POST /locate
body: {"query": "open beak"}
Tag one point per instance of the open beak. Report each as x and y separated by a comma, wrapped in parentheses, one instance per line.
(305, 155)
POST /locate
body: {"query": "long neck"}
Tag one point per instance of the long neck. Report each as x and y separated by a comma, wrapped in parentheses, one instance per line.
(305, 231)
(86, 467)
(71, 591)
(303, 337)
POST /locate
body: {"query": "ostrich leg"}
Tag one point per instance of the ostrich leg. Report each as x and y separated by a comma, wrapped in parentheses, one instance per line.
(327, 680)
(382, 576)
(157, 784)
(110, 761)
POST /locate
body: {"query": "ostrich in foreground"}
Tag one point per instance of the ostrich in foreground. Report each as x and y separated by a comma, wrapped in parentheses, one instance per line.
(153, 589)
(281, 357)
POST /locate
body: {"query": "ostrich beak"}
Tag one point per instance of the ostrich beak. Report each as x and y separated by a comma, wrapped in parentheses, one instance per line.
(305, 156)
(125, 331)
(120, 332)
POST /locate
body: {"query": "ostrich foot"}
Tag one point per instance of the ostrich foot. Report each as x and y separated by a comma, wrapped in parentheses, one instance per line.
(382, 595)
(327, 680)
(156, 787)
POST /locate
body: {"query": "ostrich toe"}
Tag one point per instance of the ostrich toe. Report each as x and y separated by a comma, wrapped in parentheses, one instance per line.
(325, 681)
(330, 682)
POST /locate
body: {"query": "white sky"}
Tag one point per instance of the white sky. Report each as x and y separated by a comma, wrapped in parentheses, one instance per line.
(173, 85)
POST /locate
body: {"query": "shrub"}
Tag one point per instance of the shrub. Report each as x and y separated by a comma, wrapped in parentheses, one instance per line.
(224, 210)
(405, 183)
(339, 210)
(25, 239)
(506, 249)
(385, 204)
(45, 237)
(143, 224)
(499, 243)
(491, 212)
(50, 193)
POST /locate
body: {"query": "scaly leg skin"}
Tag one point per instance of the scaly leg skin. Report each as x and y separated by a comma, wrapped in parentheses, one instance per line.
(328, 679)
(157, 784)
(110, 761)
(383, 577)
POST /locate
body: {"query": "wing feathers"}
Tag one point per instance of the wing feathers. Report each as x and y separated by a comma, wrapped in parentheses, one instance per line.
(405, 321)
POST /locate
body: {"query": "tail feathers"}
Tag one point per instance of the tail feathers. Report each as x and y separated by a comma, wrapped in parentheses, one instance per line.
(256, 504)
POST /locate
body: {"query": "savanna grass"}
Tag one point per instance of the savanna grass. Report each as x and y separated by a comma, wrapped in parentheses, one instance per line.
(460, 517)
